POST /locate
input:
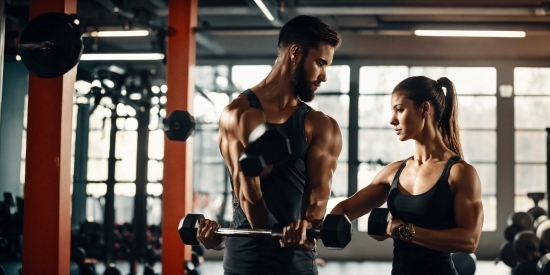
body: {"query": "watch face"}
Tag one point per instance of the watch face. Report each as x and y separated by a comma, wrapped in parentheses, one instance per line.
(404, 231)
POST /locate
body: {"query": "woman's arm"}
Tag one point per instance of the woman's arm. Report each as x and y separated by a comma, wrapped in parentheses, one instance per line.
(373, 195)
(468, 210)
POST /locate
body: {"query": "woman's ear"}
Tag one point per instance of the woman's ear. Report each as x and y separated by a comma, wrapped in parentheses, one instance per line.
(426, 109)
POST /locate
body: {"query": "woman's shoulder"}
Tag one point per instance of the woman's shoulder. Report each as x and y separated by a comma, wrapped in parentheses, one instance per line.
(388, 172)
(463, 174)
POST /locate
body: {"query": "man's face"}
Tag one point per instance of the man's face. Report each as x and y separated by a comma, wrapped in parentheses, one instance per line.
(311, 71)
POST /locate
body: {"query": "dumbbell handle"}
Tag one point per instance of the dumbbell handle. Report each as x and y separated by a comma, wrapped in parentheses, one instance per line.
(44, 46)
(244, 232)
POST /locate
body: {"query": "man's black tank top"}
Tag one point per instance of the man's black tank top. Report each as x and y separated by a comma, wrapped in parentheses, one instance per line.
(433, 209)
(282, 192)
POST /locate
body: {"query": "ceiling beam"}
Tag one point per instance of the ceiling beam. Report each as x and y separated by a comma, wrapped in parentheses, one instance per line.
(206, 42)
(542, 10)
(542, 27)
(404, 10)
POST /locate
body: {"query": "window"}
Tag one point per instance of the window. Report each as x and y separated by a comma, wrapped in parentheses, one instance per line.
(531, 117)
(332, 98)
(476, 88)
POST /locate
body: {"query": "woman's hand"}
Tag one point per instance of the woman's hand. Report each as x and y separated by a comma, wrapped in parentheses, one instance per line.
(391, 230)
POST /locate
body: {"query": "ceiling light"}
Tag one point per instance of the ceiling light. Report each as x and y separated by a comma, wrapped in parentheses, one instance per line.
(462, 33)
(117, 33)
(155, 89)
(122, 56)
(109, 83)
(264, 9)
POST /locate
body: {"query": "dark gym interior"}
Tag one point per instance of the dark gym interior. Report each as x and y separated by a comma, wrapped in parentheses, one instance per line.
(96, 172)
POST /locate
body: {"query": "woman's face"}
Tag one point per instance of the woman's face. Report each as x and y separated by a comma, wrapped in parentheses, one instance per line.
(407, 120)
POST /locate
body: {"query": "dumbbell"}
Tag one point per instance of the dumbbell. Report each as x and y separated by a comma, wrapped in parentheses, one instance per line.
(112, 270)
(536, 211)
(378, 221)
(517, 221)
(465, 263)
(179, 125)
(507, 254)
(51, 44)
(335, 233)
(190, 268)
(267, 144)
(520, 220)
(525, 268)
(526, 246)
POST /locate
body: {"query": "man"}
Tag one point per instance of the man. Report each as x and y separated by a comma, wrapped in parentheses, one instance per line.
(293, 193)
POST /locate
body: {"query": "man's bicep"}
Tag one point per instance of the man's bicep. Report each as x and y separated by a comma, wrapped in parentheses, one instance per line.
(326, 148)
(321, 165)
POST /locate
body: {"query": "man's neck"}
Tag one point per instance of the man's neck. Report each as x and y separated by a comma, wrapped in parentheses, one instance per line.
(277, 87)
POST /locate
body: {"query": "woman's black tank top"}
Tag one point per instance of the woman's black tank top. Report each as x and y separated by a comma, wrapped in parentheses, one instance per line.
(433, 209)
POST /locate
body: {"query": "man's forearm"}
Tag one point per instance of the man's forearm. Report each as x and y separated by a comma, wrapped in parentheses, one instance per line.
(256, 213)
(315, 214)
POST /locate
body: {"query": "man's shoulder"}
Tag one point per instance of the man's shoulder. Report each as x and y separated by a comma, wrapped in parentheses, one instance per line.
(320, 119)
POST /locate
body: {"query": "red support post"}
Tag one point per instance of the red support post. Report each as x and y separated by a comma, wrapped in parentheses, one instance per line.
(178, 156)
(47, 219)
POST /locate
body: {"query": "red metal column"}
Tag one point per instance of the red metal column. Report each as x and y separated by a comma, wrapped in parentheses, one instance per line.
(178, 156)
(47, 220)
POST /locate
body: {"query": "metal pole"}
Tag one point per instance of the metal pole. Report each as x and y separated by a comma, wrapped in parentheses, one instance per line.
(44, 46)
(109, 214)
(548, 165)
(2, 35)
(142, 159)
(80, 164)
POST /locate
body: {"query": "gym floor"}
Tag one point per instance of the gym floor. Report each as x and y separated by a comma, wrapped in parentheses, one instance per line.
(361, 268)
(331, 267)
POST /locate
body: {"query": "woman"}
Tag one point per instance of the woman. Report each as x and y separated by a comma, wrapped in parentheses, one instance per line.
(434, 197)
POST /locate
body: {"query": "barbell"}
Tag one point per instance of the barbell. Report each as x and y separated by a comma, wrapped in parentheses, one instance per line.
(335, 233)
(51, 44)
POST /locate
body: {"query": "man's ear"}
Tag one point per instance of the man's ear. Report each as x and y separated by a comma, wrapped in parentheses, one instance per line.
(295, 52)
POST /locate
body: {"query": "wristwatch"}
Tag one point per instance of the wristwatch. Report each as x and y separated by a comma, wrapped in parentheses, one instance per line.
(406, 231)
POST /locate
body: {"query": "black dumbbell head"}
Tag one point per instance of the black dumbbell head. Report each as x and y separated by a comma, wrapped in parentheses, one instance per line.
(507, 254)
(510, 232)
(378, 221)
(272, 142)
(61, 30)
(526, 245)
(525, 268)
(111, 270)
(179, 125)
(536, 212)
(336, 231)
(521, 220)
(78, 255)
(252, 164)
(188, 228)
(465, 263)
(148, 271)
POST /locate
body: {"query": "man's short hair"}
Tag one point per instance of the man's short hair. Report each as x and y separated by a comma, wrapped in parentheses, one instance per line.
(307, 32)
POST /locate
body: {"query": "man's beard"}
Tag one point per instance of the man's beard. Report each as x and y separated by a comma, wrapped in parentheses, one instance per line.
(302, 87)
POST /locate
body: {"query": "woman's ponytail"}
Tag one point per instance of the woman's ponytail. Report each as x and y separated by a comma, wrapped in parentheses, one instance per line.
(448, 124)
